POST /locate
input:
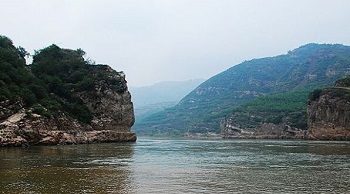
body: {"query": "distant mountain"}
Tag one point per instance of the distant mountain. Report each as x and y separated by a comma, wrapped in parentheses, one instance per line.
(168, 91)
(143, 112)
(292, 75)
(160, 96)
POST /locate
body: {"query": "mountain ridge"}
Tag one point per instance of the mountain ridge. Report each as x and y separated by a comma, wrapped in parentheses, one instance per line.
(305, 68)
(166, 91)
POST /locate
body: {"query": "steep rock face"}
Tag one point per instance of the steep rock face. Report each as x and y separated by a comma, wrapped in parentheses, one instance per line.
(110, 102)
(110, 105)
(329, 114)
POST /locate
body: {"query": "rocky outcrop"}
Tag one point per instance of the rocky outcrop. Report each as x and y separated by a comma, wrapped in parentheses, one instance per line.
(110, 102)
(263, 131)
(8, 108)
(329, 114)
(110, 105)
(328, 118)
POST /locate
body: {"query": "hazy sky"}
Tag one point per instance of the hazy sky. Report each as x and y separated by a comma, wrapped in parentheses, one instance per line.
(169, 40)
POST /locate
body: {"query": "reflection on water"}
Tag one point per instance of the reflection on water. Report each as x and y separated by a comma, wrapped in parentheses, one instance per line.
(179, 166)
(65, 169)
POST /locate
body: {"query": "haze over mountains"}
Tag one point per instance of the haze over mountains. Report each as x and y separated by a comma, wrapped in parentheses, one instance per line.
(168, 91)
(294, 74)
(148, 100)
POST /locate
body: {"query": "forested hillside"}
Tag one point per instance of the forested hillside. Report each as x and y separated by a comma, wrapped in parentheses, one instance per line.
(288, 78)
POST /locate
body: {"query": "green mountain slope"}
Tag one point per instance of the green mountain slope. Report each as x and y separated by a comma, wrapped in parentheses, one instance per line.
(299, 71)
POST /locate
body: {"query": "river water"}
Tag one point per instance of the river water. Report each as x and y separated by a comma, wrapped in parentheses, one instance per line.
(179, 166)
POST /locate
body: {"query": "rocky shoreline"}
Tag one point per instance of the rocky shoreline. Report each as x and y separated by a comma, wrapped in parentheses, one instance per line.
(26, 129)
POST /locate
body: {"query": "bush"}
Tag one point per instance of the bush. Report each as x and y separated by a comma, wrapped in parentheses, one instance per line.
(39, 109)
(315, 95)
(86, 84)
(29, 97)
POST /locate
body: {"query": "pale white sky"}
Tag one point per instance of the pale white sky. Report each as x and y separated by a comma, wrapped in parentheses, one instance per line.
(173, 40)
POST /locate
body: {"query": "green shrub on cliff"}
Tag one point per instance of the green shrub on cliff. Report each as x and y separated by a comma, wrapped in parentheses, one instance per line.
(16, 81)
(39, 109)
(345, 82)
(315, 95)
(49, 85)
(64, 71)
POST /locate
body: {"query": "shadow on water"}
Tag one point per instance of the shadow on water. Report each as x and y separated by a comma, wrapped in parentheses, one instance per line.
(89, 168)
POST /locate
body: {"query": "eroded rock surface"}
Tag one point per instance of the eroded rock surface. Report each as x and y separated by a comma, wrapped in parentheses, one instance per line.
(110, 104)
(329, 114)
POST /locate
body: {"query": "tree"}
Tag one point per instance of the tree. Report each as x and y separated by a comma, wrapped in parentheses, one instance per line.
(22, 52)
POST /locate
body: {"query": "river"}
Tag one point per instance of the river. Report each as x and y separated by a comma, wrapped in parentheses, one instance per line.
(179, 166)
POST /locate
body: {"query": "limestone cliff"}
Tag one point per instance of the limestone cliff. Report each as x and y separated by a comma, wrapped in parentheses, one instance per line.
(61, 98)
(329, 113)
(111, 108)
(109, 101)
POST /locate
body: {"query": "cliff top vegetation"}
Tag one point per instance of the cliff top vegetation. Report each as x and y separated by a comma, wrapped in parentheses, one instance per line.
(49, 85)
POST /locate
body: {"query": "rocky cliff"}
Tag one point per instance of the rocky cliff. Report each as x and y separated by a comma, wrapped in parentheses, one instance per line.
(61, 99)
(328, 113)
(112, 113)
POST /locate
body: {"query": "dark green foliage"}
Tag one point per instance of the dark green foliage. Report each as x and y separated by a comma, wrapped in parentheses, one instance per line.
(78, 110)
(65, 73)
(315, 95)
(275, 119)
(52, 103)
(49, 85)
(345, 82)
(5, 43)
(63, 70)
(15, 78)
(38, 90)
(22, 52)
(289, 108)
(335, 92)
(86, 84)
(39, 109)
(29, 97)
(57, 62)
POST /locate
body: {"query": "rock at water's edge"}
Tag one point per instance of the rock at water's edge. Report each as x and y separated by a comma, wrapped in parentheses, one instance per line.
(329, 115)
(111, 107)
